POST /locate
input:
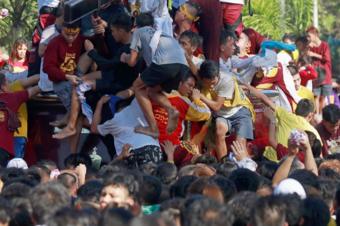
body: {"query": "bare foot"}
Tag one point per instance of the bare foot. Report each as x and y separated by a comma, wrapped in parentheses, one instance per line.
(66, 132)
(173, 115)
(147, 131)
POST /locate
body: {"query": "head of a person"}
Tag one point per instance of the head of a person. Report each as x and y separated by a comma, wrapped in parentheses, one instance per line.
(305, 108)
(316, 212)
(288, 38)
(245, 180)
(19, 49)
(302, 43)
(166, 172)
(89, 192)
(120, 190)
(70, 32)
(205, 211)
(227, 43)
(187, 84)
(151, 190)
(312, 34)
(4, 86)
(209, 73)
(243, 43)
(46, 199)
(189, 12)
(73, 217)
(121, 25)
(119, 216)
(268, 211)
(255, 40)
(180, 187)
(241, 206)
(190, 41)
(331, 118)
(294, 71)
(144, 20)
(70, 180)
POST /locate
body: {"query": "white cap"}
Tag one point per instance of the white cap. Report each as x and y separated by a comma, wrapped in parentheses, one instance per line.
(17, 163)
(290, 186)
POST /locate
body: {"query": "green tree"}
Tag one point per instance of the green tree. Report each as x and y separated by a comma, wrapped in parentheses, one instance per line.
(20, 22)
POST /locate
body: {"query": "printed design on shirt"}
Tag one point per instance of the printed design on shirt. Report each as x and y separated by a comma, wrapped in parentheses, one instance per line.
(161, 116)
(69, 65)
(2, 116)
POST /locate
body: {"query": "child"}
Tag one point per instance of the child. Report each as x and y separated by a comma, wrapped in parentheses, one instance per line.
(18, 61)
(186, 17)
(166, 65)
(159, 10)
(190, 41)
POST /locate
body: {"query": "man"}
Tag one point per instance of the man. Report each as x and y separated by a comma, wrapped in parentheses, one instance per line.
(12, 101)
(329, 129)
(233, 110)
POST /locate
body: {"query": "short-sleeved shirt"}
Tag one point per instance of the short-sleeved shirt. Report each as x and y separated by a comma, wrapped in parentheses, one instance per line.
(168, 50)
(226, 88)
(122, 126)
(13, 101)
(287, 121)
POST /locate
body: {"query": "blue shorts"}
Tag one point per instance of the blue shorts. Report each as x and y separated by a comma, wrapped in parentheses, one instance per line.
(240, 123)
(323, 90)
(64, 92)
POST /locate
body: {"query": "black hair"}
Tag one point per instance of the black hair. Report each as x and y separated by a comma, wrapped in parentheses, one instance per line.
(331, 113)
(268, 211)
(328, 190)
(128, 179)
(329, 174)
(90, 191)
(180, 187)
(73, 25)
(291, 37)
(73, 160)
(151, 190)
(206, 159)
(144, 19)
(209, 70)
(241, 205)
(226, 168)
(46, 199)
(306, 178)
(302, 39)
(185, 77)
(304, 107)
(71, 217)
(245, 180)
(293, 207)
(119, 216)
(227, 187)
(122, 21)
(195, 39)
(205, 211)
(316, 212)
(315, 144)
(15, 190)
(5, 210)
(166, 172)
(267, 169)
(225, 35)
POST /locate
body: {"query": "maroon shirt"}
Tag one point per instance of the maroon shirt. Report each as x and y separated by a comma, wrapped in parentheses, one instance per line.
(61, 58)
(13, 101)
(211, 24)
(325, 62)
(327, 138)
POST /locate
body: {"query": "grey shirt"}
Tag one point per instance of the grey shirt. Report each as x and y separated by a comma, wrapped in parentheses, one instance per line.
(168, 50)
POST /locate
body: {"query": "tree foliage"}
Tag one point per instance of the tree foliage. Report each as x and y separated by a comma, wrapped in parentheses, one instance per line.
(20, 22)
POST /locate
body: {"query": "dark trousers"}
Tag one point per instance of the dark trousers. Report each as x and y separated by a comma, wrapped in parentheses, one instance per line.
(4, 157)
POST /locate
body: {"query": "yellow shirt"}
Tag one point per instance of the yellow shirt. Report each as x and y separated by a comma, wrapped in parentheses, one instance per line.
(304, 93)
(22, 111)
(287, 121)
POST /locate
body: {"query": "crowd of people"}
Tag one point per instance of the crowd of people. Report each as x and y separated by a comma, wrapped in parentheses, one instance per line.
(207, 122)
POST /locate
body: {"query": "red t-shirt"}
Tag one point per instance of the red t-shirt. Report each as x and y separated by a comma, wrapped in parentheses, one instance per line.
(61, 58)
(325, 62)
(161, 117)
(13, 101)
(307, 74)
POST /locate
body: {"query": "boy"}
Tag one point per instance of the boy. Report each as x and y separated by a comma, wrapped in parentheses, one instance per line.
(233, 110)
(166, 65)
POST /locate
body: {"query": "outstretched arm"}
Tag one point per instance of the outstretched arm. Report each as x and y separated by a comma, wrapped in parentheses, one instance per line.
(257, 93)
(97, 117)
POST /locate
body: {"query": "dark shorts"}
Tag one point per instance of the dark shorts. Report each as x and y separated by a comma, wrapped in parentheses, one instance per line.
(323, 90)
(168, 76)
(240, 123)
(146, 154)
(104, 84)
